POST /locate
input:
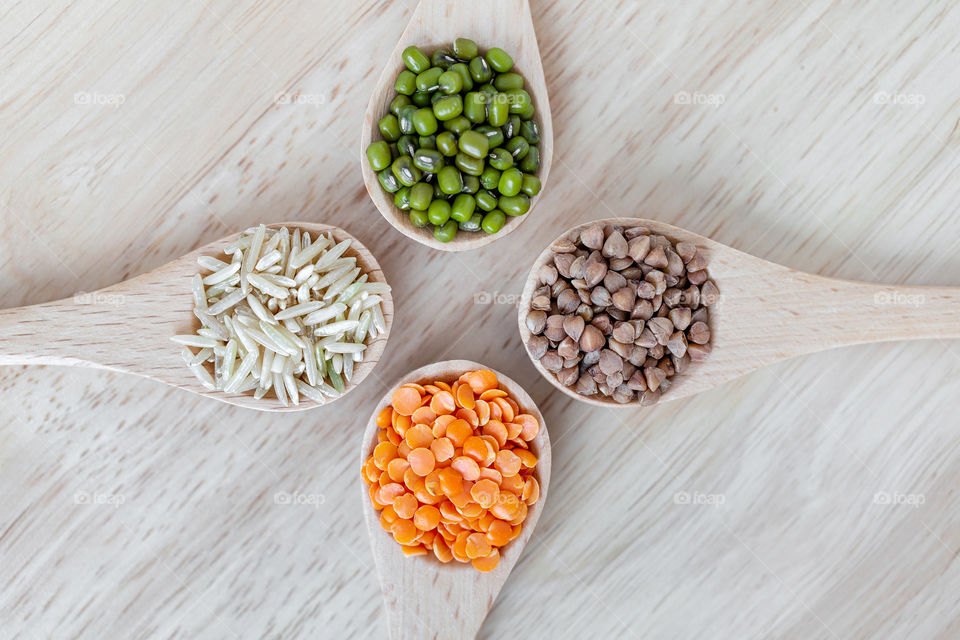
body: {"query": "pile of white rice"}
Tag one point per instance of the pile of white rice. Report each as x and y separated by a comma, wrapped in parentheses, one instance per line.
(287, 314)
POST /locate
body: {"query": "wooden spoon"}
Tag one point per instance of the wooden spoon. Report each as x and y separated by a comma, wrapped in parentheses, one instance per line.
(436, 24)
(127, 327)
(423, 597)
(768, 313)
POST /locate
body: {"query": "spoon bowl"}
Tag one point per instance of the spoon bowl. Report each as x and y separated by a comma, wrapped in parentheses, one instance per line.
(768, 312)
(127, 327)
(423, 597)
(435, 23)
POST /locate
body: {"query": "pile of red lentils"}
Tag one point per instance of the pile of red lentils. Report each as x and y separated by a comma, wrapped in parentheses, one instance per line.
(452, 473)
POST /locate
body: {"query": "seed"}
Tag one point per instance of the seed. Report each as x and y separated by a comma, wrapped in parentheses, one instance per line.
(615, 246)
(661, 328)
(568, 301)
(680, 317)
(594, 271)
(554, 328)
(541, 302)
(709, 294)
(614, 281)
(654, 377)
(591, 339)
(568, 348)
(622, 349)
(677, 344)
(656, 258)
(562, 261)
(637, 381)
(624, 299)
(592, 237)
(548, 274)
(697, 263)
(686, 251)
(610, 362)
(672, 296)
(697, 277)
(586, 386)
(573, 326)
(699, 333)
(578, 268)
(601, 297)
(638, 248)
(536, 321)
(568, 376)
(658, 280)
(624, 332)
(537, 346)
(691, 297)
(642, 310)
(674, 263)
(602, 322)
(646, 339)
(551, 361)
(698, 352)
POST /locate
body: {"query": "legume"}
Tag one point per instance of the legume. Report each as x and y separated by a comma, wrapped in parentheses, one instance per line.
(452, 473)
(461, 124)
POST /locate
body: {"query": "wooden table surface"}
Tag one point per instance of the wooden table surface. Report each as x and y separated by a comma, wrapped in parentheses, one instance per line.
(813, 499)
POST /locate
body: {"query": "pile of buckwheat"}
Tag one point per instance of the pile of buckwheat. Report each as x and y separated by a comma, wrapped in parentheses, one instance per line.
(619, 311)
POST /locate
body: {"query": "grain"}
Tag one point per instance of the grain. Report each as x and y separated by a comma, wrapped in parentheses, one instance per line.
(285, 314)
(618, 311)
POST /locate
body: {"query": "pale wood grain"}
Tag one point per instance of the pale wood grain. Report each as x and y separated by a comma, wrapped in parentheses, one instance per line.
(436, 24)
(768, 312)
(128, 327)
(799, 166)
(424, 598)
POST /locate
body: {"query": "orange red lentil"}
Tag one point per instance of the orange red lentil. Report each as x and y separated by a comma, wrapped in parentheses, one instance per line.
(452, 473)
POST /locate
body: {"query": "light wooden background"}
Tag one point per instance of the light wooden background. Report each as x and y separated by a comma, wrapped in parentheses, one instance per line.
(130, 510)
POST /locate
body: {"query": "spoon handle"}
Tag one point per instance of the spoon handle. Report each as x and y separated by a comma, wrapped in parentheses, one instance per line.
(79, 332)
(802, 313)
(124, 327)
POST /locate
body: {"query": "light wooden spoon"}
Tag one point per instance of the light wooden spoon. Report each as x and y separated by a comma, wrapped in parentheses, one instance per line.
(127, 327)
(423, 597)
(768, 313)
(436, 24)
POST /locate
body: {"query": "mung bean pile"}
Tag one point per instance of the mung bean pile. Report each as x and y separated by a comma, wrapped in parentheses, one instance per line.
(452, 473)
(619, 311)
(459, 149)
